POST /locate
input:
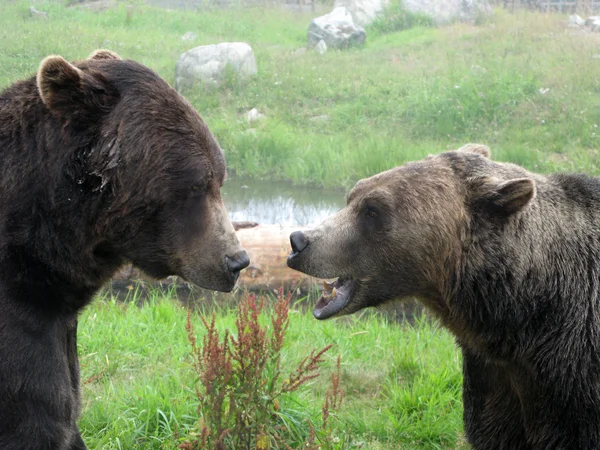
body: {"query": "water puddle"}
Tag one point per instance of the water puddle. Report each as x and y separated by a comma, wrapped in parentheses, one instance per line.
(279, 202)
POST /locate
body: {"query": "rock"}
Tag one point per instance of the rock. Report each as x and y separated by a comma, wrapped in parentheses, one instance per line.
(321, 47)
(576, 20)
(596, 25)
(319, 119)
(208, 64)
(363, 12)
(253, 115)
(337, 29)
(189, 36)
(590, 20)
(35, 13)
(96, 6)
(447, 11)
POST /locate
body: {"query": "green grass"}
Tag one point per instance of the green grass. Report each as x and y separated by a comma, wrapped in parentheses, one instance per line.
(404, 95)
(402, 382)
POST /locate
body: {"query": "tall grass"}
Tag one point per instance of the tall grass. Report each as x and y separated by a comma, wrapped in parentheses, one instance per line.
(402, 382)
(404, 95)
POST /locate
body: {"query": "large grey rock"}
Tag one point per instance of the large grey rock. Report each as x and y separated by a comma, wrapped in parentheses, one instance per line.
(576, 20)
(448, 11)
(208, 64)
(363, 12)
(590, 20)
(337, 29)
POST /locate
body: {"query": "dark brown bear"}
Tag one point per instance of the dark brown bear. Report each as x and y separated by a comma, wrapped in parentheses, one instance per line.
(509, 262)
(101, 162)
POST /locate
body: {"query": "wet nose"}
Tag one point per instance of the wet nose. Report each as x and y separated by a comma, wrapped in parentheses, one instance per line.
(238, 261)
(299, 241)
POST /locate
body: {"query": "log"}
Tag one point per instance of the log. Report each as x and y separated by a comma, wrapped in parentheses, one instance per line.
(268, 247)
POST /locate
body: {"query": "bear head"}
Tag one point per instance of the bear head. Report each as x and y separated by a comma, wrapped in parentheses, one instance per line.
(405, 232)
(142, 168)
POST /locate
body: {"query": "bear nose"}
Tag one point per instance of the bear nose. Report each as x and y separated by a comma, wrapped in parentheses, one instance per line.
(299, 241)
(238, 261)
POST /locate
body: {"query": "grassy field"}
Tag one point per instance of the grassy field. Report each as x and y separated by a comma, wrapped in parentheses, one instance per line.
(402, 383)
(401, 97)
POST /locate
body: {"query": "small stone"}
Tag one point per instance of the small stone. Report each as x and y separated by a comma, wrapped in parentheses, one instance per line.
(189, 36)
(253, 115)
(39, 14)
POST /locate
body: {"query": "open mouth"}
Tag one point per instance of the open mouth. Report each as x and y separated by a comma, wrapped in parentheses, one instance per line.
(335, 297)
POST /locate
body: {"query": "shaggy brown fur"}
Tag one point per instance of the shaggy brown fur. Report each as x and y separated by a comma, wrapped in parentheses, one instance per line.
(509, 262)
(101, 162)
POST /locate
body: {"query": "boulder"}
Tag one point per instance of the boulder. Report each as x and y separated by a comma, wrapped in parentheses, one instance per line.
(337, 29)
(590, 20)
(576, 20)
(208, 64)
(363, 11)
(447, 11)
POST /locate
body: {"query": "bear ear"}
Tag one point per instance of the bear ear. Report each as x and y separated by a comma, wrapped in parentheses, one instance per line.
(56, 78)
(78, 97)
(509, 197)
(480, 149)
(102, 54)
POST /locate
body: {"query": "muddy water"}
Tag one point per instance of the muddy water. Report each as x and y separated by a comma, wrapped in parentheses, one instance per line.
(277, 202)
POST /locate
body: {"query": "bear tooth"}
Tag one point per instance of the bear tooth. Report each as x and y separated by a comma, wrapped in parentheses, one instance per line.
(333, 292)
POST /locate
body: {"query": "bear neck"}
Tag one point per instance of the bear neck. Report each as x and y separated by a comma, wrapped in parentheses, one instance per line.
(533, 275)
(48, 199)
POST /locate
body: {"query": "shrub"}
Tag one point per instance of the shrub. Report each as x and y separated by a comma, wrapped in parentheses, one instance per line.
(240, 383)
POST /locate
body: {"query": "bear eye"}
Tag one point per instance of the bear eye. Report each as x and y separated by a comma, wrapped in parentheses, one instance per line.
(196, 187)
(372, 212)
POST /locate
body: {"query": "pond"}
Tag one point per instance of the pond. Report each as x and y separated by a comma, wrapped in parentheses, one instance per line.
(279, 202)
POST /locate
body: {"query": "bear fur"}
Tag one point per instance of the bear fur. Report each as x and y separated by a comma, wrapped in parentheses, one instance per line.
(101, 163)
(508, 260)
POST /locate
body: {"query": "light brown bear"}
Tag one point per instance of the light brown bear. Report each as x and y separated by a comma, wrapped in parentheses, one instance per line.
(507, 260)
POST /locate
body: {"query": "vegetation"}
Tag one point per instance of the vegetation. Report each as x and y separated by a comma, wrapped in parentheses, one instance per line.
(522, 83)
(402, 382)
(242, 384)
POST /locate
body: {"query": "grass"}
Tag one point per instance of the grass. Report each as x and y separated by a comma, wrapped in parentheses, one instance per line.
(404, 95)
(402, 382)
